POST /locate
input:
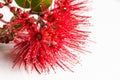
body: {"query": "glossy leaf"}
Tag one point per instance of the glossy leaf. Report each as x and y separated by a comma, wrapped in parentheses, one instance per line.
(24, 3)
(40, 5)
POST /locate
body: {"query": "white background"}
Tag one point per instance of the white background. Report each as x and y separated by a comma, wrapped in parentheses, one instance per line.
(102, 64)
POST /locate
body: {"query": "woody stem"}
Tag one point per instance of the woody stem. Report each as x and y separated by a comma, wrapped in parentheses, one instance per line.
(4, 21)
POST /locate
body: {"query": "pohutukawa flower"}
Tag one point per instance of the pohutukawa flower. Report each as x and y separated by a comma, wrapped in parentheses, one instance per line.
(45, 42)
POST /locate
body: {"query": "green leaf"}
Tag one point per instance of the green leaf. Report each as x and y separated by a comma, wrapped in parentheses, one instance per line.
(40, 5)
(35, 5)
(24, 3)
(48, 3)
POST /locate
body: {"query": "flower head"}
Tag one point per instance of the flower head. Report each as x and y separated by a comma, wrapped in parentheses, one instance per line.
(44, 43)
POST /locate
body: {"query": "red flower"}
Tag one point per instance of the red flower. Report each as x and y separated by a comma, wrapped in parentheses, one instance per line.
(47, 45)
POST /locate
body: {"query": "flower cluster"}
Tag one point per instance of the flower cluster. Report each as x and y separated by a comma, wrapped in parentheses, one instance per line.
(44, 42)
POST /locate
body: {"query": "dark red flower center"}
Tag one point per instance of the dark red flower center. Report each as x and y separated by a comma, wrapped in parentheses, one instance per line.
(51, 18)
(38, 36)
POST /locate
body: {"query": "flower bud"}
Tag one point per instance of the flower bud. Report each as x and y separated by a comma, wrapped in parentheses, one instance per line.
(13, 9)
(1, 15)
(9, 1)
(19, 10)
(5, 26)
(1, 5)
